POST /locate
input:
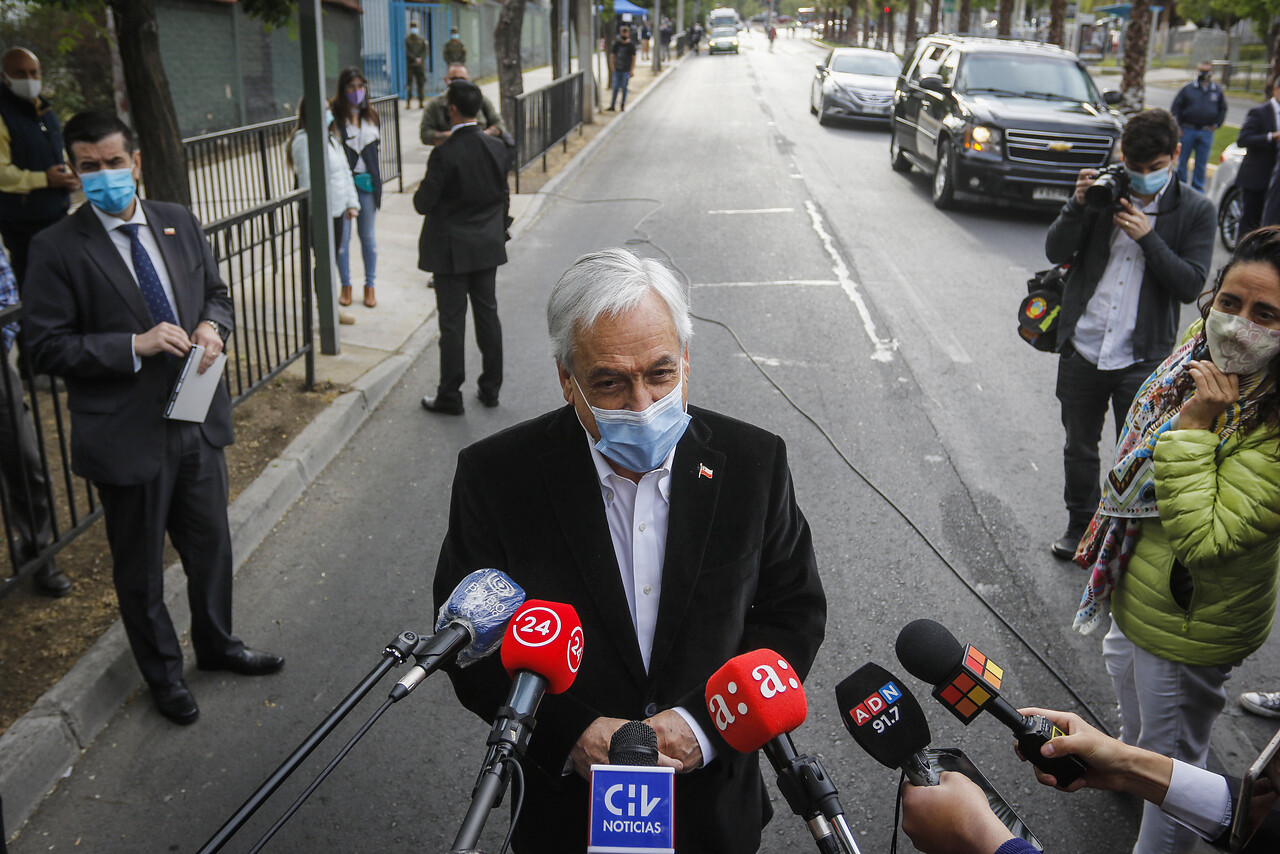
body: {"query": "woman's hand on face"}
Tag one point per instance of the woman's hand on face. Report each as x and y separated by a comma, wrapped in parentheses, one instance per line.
(1215, 391)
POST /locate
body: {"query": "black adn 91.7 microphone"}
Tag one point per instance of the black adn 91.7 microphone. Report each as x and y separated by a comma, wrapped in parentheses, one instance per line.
(967, 682)
(886, 721)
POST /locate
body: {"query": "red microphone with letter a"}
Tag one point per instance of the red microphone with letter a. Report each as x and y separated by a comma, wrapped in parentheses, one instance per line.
(755, 697)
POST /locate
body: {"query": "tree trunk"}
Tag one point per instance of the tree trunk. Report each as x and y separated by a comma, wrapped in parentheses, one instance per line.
(935, 9)
(1004, 21)
(164, 167)
(555, 36)
(1132, 82)
(1275, 53)
(909, 37)
(962, 17)
(888, 30)
(506, 46)
(1057, 22)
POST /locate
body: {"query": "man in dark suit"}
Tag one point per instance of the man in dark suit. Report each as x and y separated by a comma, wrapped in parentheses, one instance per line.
(123, 289)
(464, 201)
(1257, 137)
(674, 533)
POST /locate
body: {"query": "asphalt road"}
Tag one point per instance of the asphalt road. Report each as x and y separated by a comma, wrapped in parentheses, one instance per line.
(876, 336)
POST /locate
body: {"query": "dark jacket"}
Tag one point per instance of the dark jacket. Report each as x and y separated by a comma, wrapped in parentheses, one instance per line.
(1260, 151)
(84, 306)
(1177, 251)
(1199, 107)
(464, 201)
(371, 164)
(35, 144)
(739, 574)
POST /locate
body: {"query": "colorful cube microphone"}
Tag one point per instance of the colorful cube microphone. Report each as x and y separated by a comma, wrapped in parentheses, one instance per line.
(973, 687)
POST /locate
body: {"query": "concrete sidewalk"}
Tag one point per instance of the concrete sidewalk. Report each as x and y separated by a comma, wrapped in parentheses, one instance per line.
(40, 748)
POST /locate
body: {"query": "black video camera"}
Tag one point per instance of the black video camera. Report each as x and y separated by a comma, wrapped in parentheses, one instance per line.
(1111, 185)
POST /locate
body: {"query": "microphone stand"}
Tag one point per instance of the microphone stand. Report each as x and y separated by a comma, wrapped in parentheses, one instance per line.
(396, 652)
(811, 795)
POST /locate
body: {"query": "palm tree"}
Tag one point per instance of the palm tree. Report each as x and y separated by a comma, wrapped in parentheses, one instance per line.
(933, 15)
(962, 17)
(1132, 83)
(1057, 17)
(1005, 18)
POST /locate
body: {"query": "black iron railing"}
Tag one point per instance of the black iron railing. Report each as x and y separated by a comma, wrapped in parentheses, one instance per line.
(264, 256)
(238, 169)
(545, 117)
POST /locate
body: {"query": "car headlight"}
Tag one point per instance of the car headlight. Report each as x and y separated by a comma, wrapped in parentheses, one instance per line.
(982, 138)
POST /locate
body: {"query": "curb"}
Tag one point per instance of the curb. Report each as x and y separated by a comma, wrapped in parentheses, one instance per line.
(40, 748)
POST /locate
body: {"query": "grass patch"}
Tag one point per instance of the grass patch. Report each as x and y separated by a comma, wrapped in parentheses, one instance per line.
(1222, 137)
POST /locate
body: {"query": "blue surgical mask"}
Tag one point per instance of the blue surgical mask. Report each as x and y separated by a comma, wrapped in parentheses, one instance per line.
(640, 441)
(109, 190)
(1148, 184)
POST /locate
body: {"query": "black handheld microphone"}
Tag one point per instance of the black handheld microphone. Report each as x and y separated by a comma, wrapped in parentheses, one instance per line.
(634, 743)
(967, 682)
(886, 721)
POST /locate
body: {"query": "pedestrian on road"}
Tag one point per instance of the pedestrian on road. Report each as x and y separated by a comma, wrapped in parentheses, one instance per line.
(465, 203)
(454, 49)
(1185, 544)
(1200, 108)
(415, 52)
(120, 292)
(22, 474)
(666, 32)
(343, 202)
(622, 61)
(674, 533)
(1138, 261)
(435, 126)
(35, 182)
(357, 125)
(1259, 135)
(646, 35)
(773, 36)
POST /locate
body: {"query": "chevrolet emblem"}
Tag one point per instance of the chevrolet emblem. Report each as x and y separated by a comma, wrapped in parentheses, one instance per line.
(1059, 146)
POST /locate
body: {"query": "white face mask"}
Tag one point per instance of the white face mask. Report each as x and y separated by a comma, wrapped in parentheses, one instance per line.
(29, 89)
(1237, 345)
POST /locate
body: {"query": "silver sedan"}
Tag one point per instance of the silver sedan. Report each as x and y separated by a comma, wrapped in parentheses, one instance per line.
(854, 83)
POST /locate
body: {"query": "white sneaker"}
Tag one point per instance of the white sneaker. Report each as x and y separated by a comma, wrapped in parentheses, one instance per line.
(1263, 703)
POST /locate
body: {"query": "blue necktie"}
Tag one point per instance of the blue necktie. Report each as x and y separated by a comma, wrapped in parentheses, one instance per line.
(149, 279)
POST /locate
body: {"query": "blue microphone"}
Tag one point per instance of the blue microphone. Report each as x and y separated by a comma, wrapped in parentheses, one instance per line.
(470, 626)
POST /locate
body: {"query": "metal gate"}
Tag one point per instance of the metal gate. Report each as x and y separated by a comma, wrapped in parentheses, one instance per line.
(384, 57)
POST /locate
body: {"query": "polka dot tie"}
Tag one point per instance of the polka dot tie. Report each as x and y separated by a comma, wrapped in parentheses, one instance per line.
(148, 278)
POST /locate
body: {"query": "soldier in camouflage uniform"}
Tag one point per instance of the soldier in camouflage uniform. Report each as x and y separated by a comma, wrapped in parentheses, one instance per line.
(415, 52)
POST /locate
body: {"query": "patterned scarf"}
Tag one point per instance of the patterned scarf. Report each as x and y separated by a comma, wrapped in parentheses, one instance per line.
(1129, 491)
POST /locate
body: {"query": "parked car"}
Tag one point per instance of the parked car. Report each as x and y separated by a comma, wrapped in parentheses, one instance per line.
(723, 40)
(1001, 119)
(854, 82)
(1225, 195)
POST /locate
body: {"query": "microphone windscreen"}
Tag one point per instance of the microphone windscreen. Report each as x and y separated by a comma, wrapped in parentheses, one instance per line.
(544, 638)
(929, 651)
(882, 715)
(634, 743)
(484, 601)
(755, 697)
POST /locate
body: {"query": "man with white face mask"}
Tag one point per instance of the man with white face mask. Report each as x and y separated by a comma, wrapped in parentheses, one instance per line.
(674, 533)
(35, 182)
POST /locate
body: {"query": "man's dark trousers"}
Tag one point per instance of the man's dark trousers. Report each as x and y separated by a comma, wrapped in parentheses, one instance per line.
(190, 494)
(20, 467)
(452, 292)
(1085, 393)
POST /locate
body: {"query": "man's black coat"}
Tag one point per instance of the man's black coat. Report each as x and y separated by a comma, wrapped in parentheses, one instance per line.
(739, 574)
(464, 199)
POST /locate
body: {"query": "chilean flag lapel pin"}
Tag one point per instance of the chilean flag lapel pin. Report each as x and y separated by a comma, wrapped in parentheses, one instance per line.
(703, 471)
(170, 232)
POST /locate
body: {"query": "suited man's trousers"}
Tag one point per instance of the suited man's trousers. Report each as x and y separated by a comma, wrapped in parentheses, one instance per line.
(21, 471)
(188, 500)
(452, 292)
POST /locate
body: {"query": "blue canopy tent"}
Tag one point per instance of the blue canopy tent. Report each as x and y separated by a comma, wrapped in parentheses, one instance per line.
(1122, 10)
(623, 7)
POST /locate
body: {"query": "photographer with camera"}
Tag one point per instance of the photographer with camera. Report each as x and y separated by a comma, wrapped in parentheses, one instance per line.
(1139, 242)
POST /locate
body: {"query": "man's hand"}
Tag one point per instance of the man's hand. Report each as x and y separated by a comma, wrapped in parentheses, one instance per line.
(211, 341)
(592, 747)
(1215, 391)
(1083, 182)
(351, 213)
(1131, 221)
(676, 740)
(163, 338)
(953, 817)
(62, 178)
(493, 130)
(440, 136)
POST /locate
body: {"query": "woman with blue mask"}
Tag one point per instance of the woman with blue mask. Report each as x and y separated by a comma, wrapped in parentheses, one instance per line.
(357, 125)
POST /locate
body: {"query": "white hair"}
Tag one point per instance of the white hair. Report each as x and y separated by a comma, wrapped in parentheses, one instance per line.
(610, 282)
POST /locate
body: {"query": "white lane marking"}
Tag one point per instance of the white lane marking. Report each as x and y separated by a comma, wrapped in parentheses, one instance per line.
(821, 283)
(884, 347)
(775, 362)
(756, 211)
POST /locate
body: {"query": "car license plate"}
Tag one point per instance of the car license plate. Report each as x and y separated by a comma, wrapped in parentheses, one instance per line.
(1050, 194)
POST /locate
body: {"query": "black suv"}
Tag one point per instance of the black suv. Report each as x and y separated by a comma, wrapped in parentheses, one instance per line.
(1012, 120)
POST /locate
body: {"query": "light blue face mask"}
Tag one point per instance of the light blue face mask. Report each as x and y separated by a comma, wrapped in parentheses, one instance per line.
(109, 190)
(1148, 184)
(640, 441)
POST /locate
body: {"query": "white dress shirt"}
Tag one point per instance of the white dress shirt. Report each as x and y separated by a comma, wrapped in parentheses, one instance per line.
(638, 516)
(1198, 799)
(1104, 333)
(124, 245)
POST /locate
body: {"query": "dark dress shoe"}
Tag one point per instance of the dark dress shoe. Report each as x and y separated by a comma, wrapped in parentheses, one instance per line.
(246, 662)
(489, 400)
(433, 404)
(176, 703)
(1064, 548)
(51, 581)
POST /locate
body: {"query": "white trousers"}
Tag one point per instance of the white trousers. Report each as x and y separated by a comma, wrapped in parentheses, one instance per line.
(1168, 708)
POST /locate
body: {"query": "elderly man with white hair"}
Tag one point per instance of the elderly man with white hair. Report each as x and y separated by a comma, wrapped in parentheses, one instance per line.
(672, 530)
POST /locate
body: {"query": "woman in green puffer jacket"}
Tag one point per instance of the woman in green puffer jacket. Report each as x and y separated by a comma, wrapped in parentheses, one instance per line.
(1185, 545)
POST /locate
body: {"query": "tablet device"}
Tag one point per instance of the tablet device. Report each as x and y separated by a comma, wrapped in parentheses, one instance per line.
(1252, 806)
(953, 759)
